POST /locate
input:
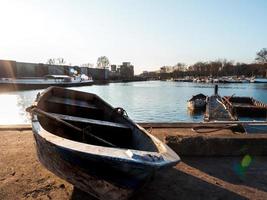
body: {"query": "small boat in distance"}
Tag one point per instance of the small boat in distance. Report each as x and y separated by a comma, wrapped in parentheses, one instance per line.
(245, 106)
(197, 102)
(95, 147)
(7, 84)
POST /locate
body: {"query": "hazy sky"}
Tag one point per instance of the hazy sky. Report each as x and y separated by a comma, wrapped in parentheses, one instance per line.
(148, 33)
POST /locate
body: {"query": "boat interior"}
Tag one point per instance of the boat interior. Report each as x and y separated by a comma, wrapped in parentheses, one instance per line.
(241, 100)
(84, 117)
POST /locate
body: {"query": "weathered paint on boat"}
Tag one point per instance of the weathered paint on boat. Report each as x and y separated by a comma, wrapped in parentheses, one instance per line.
(245, 106)
(105, 172)
(197, 102)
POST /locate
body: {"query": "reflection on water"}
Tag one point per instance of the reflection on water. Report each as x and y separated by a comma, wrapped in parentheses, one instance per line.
(196, 114)
(153, 101)
(10, 111)
(13, 106)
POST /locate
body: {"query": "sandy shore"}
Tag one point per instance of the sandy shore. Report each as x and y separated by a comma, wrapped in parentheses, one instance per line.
(23, 177)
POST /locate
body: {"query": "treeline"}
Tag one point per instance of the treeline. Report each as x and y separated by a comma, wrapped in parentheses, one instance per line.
(222, 68)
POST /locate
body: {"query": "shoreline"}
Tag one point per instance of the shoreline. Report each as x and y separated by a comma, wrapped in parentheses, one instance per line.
(205, 177)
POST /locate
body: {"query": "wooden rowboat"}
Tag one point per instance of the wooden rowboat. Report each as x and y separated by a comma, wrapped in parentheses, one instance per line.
(197, 102)
(245, 106)
(92, 145)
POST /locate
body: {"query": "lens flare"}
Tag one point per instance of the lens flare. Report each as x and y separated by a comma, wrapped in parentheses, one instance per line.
(246, 161)
(242, 167)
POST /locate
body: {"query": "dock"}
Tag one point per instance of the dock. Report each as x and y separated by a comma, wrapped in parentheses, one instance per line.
(216, 110)
(204, 173)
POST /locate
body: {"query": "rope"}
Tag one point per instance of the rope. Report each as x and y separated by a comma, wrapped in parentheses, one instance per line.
(218, 128)
(120, 111)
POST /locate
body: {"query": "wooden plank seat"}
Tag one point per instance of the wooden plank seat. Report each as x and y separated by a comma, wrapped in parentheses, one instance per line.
(72, 102)
(90, 121)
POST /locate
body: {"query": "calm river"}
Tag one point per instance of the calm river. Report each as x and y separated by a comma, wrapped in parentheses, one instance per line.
(152, 101)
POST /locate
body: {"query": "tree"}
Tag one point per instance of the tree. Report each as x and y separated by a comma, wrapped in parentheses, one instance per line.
(262, 56)
(56, 61)
(90, 65)
(214, 67)
(61, 61)
(179, 67)
(227, 68)
(200, 68)
(102, 62)
(51, 61)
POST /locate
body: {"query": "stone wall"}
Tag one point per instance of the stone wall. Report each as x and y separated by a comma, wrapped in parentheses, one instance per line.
(13, 69)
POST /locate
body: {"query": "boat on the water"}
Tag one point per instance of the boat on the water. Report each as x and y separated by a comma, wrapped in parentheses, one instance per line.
(197, 102)
(245, 106)
(260, 80)
(97, 148)
(7, 84)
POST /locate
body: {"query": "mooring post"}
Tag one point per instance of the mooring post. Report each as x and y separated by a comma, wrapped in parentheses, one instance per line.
(216, 90)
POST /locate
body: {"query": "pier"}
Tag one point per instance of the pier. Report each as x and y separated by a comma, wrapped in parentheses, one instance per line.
(216, 109)
(205, 171)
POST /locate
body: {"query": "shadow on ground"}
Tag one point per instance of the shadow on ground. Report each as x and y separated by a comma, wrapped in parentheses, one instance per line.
(173, 184)
(231, 169)
(78, 194)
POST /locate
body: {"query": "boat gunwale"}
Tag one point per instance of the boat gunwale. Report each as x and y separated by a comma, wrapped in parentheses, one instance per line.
(169, 157)
(122, 154)
(198, 96)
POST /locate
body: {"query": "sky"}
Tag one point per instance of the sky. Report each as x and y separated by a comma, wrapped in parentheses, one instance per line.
(147, 33)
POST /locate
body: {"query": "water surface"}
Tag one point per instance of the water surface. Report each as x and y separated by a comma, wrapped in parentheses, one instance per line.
(151, 101)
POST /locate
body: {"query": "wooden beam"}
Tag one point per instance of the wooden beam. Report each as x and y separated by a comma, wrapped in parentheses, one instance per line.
(48, 115)
(71, 102)
(89, 121)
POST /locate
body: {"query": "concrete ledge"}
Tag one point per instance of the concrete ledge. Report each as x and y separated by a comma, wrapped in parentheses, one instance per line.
(185, 141)
(237, 145)
(198, 124)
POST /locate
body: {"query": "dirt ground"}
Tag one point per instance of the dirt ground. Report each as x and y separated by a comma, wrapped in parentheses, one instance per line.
(23, 177)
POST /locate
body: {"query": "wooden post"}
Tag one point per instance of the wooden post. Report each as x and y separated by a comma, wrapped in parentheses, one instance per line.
(216, 90)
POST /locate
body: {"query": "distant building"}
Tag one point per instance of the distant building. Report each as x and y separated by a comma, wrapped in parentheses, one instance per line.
(127, 70)
(8, 69)
(124, 71)
(150, 75)
(114, 73)
(113, 68)
(13, 69)
(99, 73)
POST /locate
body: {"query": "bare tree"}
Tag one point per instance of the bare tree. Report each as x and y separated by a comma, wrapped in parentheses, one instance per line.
(262, 56)
(61, 61)
(180, 66)
(102, 62)
(90, 65)
(51, 61)
(56, 61)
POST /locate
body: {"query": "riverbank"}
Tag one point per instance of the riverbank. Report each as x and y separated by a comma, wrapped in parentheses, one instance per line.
(202, 177)
(101, 82)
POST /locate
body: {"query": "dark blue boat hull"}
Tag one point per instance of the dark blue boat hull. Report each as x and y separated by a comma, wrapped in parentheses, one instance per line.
(83, 169)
